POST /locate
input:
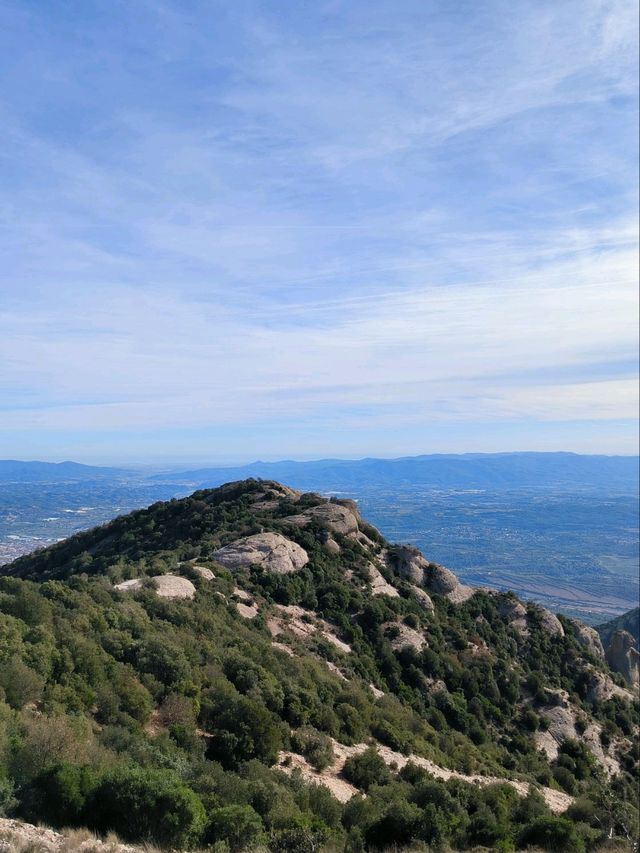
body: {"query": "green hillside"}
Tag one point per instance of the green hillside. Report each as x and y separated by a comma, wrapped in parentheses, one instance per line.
(237, 669)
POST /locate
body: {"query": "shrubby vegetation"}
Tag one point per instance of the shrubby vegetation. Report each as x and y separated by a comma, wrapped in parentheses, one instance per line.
(161, 719)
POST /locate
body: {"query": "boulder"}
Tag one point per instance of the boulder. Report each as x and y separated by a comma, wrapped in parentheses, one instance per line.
(271, 551)
(172, 586)
(623, 657)
(205, 573)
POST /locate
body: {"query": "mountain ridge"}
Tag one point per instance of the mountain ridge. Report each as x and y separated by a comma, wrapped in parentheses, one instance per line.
(253, 629)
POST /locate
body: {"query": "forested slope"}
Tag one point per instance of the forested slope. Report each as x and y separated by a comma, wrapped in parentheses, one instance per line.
(240, 667)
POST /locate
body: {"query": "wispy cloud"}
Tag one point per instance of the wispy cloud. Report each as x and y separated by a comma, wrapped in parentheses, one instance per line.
(223, 218)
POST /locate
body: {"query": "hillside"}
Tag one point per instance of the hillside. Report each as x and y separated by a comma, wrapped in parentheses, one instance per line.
(240, 667)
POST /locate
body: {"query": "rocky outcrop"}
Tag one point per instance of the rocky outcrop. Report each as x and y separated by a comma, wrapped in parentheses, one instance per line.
(441, 581)
(623, 657)
(424, 599)
(205, 573)
(514, 612)
(549, 622)
(588, 638)
(332, 516)
(271, 551)
(408, 562)
(165, 586)
(400, 636)
(379, 585)
(130, 585)
(172, 586)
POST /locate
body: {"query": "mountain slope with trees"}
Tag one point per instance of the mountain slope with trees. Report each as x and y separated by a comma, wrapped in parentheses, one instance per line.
(240, 667)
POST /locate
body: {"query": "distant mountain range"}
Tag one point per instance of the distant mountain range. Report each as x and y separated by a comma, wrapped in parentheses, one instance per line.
(15, 471)
(466, 471)
(496, 471)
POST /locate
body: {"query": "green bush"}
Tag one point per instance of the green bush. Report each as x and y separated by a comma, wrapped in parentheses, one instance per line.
(146, 805)
(366, 769)
(239, 826)
(551, 834)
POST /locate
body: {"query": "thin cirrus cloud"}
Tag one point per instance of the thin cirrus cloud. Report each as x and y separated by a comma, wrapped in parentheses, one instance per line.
(281, 234)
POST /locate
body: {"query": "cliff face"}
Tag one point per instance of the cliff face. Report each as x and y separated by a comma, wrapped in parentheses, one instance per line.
(623, 657)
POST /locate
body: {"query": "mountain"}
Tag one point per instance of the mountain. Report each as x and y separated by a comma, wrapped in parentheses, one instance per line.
(239, 667)
(14, 471)
(466, 471)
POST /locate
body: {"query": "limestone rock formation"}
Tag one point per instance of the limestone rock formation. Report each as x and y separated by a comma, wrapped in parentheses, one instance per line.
(588, 638)
(271, 551)
(550, 622)
(443, 582)
(408, 563)
(623, 657)
(331, 515)
(130, 585)
(205, 573)
(173, 586)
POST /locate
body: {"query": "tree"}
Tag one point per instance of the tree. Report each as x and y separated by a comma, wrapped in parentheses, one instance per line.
(367, 769)
(552, 834)
(143, 805)
(238, 825)
(21, 684)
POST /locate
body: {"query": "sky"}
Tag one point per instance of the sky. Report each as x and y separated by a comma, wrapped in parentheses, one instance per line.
(294, 229)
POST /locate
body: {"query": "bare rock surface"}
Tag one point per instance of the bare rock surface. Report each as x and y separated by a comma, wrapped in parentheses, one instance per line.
(173, 586)
(205, 573)
(588, 638)
(514, 612)
(408, 562)
(380, 586)
(623, 657)
(304, 624)
(424, 599)
(271, 551)
(288, 762)
(550, 622)
(130, 585)
(332, 516)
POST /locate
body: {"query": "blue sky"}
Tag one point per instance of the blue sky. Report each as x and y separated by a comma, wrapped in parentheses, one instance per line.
(238, 230)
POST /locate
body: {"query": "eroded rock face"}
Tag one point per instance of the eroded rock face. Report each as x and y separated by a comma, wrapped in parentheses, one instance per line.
(623, 657)
(271, 551)
(550, 622)
(588, 638)
(408, 562)
(441, 581)
(333, 516)
(514, 612)
(424, 599)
